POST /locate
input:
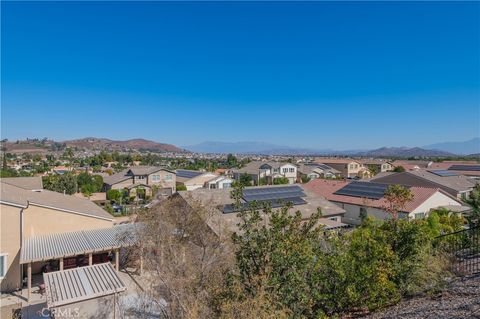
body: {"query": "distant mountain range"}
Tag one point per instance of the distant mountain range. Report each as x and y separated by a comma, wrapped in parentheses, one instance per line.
(403, 152)
(441, 149)
(471, 147)
(462, 148)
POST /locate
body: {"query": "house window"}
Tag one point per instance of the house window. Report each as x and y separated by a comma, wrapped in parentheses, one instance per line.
(3, 265)
(285, 170)
(168, 177)
(292, 170)
(155, 178)
(419, 215)
(351, 166)
(275, 170)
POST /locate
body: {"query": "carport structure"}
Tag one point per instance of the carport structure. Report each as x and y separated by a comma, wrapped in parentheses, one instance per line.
(66, 287)
(79, 243)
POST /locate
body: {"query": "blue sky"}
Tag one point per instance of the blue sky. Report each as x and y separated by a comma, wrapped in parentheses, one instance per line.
(312, 74)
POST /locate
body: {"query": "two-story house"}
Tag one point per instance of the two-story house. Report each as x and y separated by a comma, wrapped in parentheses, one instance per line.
(145, 177)
(267, 172)
(347, 167)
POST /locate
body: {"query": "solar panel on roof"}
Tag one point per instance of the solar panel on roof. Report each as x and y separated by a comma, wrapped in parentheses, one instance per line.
(443, 173)
(257, 197)
(271, 190)
(273, 203)
(272, 193)
(363, 189)
(187, 173)
(464, 168)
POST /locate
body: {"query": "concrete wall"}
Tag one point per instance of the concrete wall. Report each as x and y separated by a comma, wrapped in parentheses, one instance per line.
(10, 226)
(43, 221)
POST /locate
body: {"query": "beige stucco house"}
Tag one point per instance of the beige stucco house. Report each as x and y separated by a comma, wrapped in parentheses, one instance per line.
(267, 171)
(348, 168)
(142, 177)
(27, 210)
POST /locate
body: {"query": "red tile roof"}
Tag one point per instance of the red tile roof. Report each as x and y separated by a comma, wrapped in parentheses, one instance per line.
(327, 188)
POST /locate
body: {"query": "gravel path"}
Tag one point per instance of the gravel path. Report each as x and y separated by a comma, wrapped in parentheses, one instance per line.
(461, 299)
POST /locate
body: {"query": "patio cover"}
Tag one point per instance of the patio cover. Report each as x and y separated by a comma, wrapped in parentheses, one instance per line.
(54, 246)
(79, 284)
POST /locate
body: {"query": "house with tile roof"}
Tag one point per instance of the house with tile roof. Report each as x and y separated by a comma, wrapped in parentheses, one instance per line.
(348, 168)
(223, 220)
(366, 198)
(449, 181)
(144, 177)
(316, 170)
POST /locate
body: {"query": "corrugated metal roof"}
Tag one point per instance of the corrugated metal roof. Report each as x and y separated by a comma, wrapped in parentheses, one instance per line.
(79, 284)
(54, 246)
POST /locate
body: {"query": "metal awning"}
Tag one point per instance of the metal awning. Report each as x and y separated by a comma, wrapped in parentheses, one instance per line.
(38, 248)
(79, 284)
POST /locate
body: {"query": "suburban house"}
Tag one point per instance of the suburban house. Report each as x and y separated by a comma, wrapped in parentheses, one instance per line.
(219, 182)
(411, 165)
(29, 213)
(316, 170)
(142, 177)
(348, 168)
(360, 199)
(193, 179)
(223, 220)
(378, 165)
(449, 181)
(467, 168)
(267, 171)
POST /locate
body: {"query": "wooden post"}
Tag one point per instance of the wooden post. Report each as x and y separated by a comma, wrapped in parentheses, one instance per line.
(61, 263)
(117, 259)
(90, 259)
(29, 280)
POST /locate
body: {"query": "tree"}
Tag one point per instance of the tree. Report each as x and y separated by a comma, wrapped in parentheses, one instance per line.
(231, 161)
(280, 180)
(114, 195)
(245, 179)
(398, 169)
(185, 259)
(373, 170)
(396, 197)
(65, 183)
(88, 183)
(473, 200)
(305, 179)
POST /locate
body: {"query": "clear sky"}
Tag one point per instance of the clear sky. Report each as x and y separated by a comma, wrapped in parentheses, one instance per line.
(312, 74)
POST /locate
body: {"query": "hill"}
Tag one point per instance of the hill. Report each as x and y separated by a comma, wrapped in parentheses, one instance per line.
(138, 144)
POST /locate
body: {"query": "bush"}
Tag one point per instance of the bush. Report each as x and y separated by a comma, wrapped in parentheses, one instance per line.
(311, 275)
(280, 181)
(181, 187)
(114, 195)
